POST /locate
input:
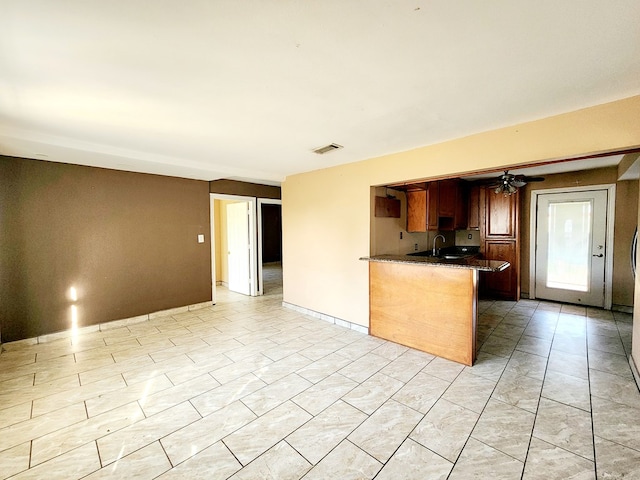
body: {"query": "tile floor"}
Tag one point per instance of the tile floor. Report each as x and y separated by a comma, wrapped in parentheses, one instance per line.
(249, 390)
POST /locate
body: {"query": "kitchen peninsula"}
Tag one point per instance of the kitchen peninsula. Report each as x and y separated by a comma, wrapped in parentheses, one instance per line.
(428, 303)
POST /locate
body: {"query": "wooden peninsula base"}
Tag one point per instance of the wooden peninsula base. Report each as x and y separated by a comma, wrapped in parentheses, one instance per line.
(427, 305)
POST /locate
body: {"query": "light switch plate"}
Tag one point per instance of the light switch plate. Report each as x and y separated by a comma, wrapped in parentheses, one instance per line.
(200, 238)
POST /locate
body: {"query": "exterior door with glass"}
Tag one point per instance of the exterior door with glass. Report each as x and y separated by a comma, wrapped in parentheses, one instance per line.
(571, 248)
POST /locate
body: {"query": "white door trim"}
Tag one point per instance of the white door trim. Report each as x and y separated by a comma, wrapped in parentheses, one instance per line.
(252, 239)
(262, 201)
(611, 208)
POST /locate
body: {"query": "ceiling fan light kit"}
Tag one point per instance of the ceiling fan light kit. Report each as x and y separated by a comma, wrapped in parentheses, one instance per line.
(508, 184)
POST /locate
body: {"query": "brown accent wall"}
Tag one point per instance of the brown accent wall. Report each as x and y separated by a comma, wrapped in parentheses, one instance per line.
(245, 189)
(625, 223)
(126, 241)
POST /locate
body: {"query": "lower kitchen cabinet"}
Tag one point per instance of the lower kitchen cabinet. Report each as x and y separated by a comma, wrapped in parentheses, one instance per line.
(503, 285)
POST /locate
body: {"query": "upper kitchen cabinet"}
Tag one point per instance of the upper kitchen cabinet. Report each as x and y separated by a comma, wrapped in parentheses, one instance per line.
(452, 205)
(500, 214)
(422, 207)
(473, 214)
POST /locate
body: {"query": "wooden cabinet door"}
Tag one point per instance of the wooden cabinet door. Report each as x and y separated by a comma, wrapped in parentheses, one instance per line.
(503, 284)
(417, 211)
(461, 216)
(447, 196)
(473, 217)
(501, 215)
(433, 205)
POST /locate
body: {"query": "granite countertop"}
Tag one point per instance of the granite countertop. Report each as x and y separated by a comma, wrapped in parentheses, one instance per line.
(469, 262)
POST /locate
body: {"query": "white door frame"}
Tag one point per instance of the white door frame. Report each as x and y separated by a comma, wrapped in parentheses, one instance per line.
(611, 209)
(252, 239)
(262, 201)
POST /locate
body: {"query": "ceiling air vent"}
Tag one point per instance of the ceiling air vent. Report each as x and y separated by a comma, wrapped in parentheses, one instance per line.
(327, 148)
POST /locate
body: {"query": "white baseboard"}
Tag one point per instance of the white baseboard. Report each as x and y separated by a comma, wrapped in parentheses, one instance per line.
(327, 318)
(636, 374)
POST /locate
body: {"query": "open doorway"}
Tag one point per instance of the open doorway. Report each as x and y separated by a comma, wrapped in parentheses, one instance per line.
(270, 246)
(233, 244)
(246, 245)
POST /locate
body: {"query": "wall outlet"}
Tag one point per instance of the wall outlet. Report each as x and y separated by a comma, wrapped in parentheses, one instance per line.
(470, 236)
(415, 247)
(400, 235)
(200, 238)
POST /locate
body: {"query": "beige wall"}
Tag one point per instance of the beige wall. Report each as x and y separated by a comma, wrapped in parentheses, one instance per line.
(625, 224)
(327, 213)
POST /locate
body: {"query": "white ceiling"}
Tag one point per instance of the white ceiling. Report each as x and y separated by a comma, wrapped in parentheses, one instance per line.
(246, 89)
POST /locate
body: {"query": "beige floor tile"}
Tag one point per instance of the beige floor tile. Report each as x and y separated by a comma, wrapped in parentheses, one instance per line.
(323, 367)
(324, 432)
(281, 368)
(237, 370)
(364, 367)
(505, 428)
(153, 403)
(466, 382)
(445, 429)
(201, 434)
(16, 414)
(412, 461)
(372, 393)
(567, 389)
(98, 374)
(122, 396)
(547, 461)
(42, 425)
(616, 461)
(385, 430)
(480, 461)
(257, 437)
(324, 393)
(565, 427)
(616, 422)
(535, 345)
(14, 460)
(407, 365)
(568, 363)
(65, 439)
(518, 390)
(274, 395)
(527, 364)
(421, 392)
(280, 462)
(345, 462)
(443, 369)
(133, 437)
(80, 394)
(144, 464)
(74, 464)
(615, 388)
(488, 366)
(219, 397)
(213, 463)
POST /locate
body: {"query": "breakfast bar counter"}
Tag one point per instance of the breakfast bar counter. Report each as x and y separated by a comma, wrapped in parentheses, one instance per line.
(427, 303)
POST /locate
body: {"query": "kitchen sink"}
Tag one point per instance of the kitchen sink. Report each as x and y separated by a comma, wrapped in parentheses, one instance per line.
(454, 256)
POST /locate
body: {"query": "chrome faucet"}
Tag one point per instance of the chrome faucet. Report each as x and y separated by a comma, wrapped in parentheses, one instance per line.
(435, 252)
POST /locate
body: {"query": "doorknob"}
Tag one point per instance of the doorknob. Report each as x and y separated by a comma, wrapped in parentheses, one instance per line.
(600, 255)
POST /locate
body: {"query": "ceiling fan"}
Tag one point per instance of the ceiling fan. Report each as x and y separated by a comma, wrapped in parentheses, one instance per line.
(508, 183)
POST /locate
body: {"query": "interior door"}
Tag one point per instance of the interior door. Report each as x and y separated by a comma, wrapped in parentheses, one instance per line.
(571, 247)
(238, 244)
